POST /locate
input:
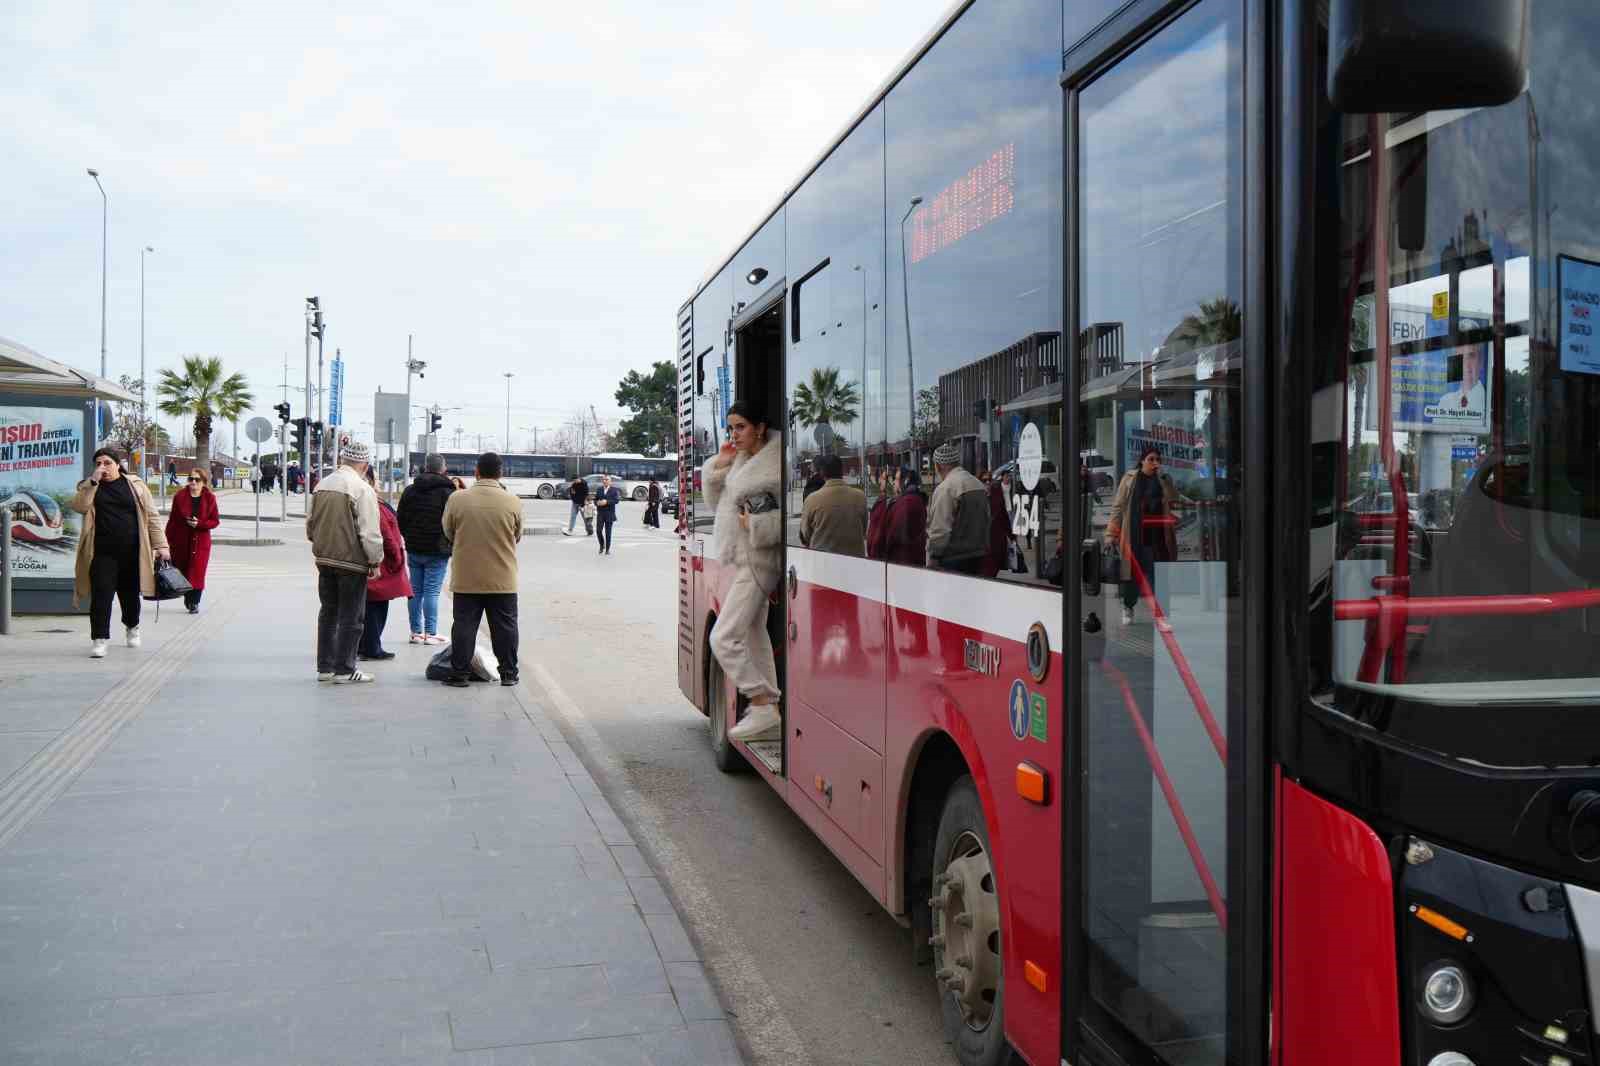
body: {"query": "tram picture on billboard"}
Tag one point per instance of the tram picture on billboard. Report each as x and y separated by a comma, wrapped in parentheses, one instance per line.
(41, 460)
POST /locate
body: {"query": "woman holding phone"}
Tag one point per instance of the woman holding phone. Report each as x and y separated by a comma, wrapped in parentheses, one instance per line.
(194, 515)
(117, 548)
(742, 484)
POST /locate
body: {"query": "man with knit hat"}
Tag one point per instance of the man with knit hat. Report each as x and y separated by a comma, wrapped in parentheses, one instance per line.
(958, 516)
(348, 546)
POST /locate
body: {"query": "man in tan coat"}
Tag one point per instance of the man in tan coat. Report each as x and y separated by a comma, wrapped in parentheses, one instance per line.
(834, 518)
(483, 524)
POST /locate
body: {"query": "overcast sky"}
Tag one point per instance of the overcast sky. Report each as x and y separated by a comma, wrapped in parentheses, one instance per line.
(529, 187)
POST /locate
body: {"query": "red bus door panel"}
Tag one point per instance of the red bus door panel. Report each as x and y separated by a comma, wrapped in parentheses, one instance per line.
(836, 654)
(842, 779)
(1339, 989)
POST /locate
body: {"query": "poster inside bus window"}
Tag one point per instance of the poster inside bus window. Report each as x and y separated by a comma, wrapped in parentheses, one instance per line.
(1445, 390)
(41, 463)
(1579, 284)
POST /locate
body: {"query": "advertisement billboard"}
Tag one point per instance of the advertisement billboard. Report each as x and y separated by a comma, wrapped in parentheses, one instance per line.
(41, 462)
(1445, 390)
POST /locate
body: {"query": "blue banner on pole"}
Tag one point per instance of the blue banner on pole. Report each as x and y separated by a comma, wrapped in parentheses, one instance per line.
(336, 393)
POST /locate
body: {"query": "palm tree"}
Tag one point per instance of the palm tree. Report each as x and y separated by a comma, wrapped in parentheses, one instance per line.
(1218, 322)
(204, 392)
(825, 401)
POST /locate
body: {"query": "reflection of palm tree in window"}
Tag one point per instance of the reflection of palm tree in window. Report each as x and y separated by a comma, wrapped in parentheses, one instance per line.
(1217, 322)
(825, 402)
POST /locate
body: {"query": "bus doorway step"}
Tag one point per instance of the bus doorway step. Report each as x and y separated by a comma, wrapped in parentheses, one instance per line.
(770, 752)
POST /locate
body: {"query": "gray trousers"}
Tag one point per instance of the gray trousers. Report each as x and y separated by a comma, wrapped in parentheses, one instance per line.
(343, 616)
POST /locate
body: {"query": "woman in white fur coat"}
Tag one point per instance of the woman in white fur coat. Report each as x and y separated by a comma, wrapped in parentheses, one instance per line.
(744, 483)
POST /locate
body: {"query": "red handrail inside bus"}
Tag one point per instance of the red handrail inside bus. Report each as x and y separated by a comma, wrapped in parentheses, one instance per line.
(1197, 695)
(1386, 616)
(1158, 766)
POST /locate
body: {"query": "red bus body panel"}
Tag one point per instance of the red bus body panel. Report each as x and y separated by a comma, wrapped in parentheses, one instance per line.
(870, 680)
(1336, 971)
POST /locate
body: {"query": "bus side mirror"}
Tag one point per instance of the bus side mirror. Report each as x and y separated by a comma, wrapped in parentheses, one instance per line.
(1407, 56)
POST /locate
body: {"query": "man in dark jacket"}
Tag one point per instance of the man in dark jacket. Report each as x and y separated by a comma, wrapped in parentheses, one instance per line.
(428, 552)
(578, 493)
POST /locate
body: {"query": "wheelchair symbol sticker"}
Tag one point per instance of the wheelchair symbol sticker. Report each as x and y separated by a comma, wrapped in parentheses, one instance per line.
(1020, 713)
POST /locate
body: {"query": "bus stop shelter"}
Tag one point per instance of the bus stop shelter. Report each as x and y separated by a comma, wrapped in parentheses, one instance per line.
(47, 435)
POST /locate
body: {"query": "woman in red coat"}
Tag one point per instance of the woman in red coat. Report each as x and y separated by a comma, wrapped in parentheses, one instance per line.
(390, 584)
(905, 536)
(194, 516)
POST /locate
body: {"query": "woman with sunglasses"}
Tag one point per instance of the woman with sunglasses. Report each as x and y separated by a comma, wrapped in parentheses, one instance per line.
(194, 515)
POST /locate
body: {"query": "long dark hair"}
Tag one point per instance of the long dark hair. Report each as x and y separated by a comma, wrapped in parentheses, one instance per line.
(114, 454)
(749, 411)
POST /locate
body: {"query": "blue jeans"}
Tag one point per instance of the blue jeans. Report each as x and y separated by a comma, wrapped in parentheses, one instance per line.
(427, 578)
(577, 510)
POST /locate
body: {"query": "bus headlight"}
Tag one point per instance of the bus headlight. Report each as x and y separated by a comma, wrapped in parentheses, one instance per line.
(1447, 997)
(1450, 1058)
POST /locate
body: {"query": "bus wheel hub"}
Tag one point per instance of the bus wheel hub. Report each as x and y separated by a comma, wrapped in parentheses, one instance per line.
(966, 918)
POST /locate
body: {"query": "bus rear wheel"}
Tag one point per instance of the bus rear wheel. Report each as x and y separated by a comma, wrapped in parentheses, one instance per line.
(547, 492)
(723, 753)
(641, 494)
(966, 931)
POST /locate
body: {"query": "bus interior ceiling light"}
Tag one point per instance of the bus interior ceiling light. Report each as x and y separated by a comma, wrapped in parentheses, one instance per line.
(756, 276)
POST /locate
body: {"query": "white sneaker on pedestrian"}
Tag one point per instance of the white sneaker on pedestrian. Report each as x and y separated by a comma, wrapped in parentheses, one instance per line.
(97, 648)
(762, 721)
(356, 677)
(418, 638)
(1127, 616)
(324, 675)
(133, 637)
(434, 638)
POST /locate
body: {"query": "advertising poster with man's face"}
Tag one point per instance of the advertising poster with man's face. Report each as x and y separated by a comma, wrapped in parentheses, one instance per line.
(41, 463)
(1445, 390)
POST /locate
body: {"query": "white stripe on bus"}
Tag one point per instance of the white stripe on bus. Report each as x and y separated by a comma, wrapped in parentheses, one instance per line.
(1004, 608)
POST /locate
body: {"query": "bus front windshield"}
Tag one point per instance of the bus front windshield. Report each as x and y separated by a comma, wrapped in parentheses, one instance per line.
(1455, 550)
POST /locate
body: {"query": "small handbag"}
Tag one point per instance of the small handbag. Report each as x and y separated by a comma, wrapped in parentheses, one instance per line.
(170, 582)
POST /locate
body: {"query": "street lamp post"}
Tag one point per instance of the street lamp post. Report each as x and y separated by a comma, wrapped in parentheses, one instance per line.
(144, 427)
(413, 366)
(507, 444)
(911, 373)
(105, 211)
(863, 449)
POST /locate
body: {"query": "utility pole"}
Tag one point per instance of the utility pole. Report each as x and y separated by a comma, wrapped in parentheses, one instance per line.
(312, 303)
(322, 441)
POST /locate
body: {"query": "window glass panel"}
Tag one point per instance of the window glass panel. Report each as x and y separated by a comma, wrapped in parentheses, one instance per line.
(714, 382)
(1160, 370)
(973, 220)
(835, 369)
(1465, 475)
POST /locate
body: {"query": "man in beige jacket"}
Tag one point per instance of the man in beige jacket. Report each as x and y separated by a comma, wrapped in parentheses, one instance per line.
(834, 517)
(348, 546)
(483, 524)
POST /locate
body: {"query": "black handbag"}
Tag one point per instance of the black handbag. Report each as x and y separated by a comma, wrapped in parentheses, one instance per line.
(170, 582)
(1111, 566)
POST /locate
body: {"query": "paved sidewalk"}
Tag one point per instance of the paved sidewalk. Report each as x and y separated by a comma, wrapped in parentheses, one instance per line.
(207, 857)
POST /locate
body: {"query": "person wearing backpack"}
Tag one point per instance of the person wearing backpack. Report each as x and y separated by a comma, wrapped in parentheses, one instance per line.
(958, 516)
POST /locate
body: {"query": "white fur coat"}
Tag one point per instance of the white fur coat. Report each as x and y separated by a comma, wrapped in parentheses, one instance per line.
(761, 546)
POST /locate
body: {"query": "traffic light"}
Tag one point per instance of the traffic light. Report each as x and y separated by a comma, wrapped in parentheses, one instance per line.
(297, 437)
(316, 437)
(434, 421)
(283, 411)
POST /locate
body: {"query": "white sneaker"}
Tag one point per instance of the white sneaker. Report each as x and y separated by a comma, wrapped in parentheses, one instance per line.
(1127, 616)
(133, 637)
(97, 648)
(358, 677)
(324, 675)
(759, 724)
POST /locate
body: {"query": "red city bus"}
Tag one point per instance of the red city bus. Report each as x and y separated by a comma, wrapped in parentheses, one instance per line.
(1272, 736)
